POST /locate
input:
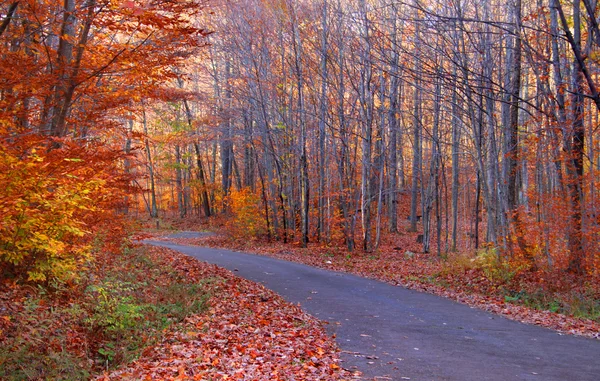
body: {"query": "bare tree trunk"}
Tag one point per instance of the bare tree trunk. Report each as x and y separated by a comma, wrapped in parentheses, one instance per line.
(153, 207)
(366, 101)
(455, 121)
(393, 124)
(323, 105)
(205, 200)
(179, 182)
(417, 143)
(226, 137)
(433, 184)
(494, 188)
(512, 152)
(202, 178)
(344, 161)
(248, 173)
(304, 182)
(380, 148)
(576, 145)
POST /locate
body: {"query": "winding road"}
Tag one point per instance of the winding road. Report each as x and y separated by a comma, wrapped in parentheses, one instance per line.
(391, 333)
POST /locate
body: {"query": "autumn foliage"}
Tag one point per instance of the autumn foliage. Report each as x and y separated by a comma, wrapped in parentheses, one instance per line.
(53, 203)
(72, 76)
(247, 216)
(347, 118)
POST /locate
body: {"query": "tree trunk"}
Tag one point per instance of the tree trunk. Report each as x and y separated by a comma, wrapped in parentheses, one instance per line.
(323, 106)
(576, 154)
(153, 207)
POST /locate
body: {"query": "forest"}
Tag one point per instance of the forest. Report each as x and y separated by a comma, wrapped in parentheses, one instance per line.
(327, 118)
(455, 138)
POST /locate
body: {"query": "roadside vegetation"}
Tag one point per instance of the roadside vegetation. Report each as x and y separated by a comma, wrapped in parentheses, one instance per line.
(128, 305)
(121, 304)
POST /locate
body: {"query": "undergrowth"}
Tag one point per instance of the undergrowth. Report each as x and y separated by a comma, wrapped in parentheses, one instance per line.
(542, 289)
(122, 304)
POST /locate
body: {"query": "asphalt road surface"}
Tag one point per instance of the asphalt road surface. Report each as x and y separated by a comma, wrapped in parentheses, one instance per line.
(392, 333)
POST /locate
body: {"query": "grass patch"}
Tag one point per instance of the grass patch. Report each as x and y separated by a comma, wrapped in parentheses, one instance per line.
(574, 303)
(121, 305)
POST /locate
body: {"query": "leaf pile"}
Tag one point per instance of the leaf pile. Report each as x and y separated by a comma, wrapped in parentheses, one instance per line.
(248, 333)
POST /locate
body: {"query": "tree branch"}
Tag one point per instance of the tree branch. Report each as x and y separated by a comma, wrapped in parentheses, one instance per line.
(578, 55)
(9, 16)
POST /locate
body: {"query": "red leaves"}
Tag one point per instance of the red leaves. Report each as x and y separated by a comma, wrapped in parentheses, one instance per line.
(248, 333)
(128, 4)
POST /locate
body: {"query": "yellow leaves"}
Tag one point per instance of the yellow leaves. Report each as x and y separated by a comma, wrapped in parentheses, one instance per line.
(43, 202)
(248, 218)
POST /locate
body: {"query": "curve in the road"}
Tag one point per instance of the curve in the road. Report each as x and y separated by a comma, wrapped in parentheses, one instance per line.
(386, 330)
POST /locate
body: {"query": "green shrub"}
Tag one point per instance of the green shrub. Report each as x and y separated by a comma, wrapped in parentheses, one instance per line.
(114, 311)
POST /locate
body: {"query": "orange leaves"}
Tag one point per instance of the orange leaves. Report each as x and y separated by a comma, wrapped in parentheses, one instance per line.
(50, 204)
(127, 51)
(249, 333)
(82, 82)
(248, 217)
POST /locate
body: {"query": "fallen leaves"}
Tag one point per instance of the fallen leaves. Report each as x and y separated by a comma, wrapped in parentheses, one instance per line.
(248, 333)
(242, 332)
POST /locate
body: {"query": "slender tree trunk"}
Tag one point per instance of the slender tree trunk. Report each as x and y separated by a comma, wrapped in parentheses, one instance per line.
(344, 160)
(304, 181)
(226, 138)
(393, 124)
(153, 207)
(323, 106)
(455, 122)
(366, 101)
(417, 143)
(179, 182)
(577, 147)
(202, 179)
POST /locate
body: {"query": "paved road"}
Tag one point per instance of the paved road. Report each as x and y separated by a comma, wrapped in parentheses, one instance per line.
(401, 334)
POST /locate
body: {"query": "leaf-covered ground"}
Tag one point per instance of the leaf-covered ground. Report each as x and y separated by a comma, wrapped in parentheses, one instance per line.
(248, 333)
(181, 319)
(524, 297)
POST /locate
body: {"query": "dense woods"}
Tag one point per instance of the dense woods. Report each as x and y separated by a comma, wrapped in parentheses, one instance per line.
(316, 121)
(306, 121)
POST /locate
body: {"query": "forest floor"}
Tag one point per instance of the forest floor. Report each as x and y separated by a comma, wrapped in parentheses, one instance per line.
(181, 319)
(557, 301)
